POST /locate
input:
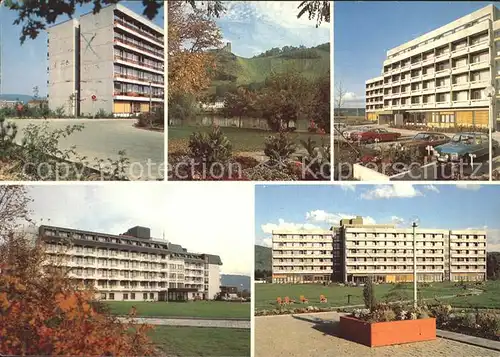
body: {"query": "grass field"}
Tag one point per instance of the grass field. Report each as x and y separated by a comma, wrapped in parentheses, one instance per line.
(201, 341)
(241, 139)
(206, 309)
(266, 294)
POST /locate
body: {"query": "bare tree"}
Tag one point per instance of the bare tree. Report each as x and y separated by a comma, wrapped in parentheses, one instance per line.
(339, 98)
(14, 211)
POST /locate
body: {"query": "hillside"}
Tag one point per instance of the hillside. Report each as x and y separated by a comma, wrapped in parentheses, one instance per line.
(21, 97)
(235, 280)
(263, 257)
(232, 70)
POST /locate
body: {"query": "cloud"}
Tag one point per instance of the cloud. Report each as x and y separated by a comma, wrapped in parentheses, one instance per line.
(321, 216)
(493, 240)
(397, 220)
(201, 218)
(267, 242)
(431, 188)
(282, 225)
(256, 26)
(398, 190)
(470, 187)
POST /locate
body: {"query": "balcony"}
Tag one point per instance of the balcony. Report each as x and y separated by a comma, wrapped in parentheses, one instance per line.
(156, 40)
(416, 91)
(427, 76)
(139, 48)
(142, 97)
(480, 46)
(428, 104)
(416, 65)
(460, 52)
(460, 86)
(443, 72)
(442, 104)
(427, 90)
(405, 80)
(443, 88)
(396, 83)
(479, 65)
(443, 56)
(416, 78)
(480, 102)
(481, 83)
(428, 61)
(160, 69)
(460, 103)
(405, 68)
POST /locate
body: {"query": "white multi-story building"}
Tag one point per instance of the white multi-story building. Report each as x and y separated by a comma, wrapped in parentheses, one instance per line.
(302, 256)
(111, 61)
(445, 78)
(354, 251)
(374, 97)
(132, 266)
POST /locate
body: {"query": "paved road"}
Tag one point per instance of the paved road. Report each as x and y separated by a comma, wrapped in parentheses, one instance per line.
(193, 322)
(103, 138)
(290, 336)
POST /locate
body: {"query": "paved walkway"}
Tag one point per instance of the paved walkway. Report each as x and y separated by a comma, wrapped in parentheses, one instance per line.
(192, 323)
(103, 138)
(315, 335)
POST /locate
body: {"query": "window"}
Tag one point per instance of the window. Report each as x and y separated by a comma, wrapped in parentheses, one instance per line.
(151, 296)
(125, 296)
(132, 296)
(111, 296)
(145, 296)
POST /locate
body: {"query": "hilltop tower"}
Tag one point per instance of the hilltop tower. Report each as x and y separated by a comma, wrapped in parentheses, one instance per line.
(227, 47)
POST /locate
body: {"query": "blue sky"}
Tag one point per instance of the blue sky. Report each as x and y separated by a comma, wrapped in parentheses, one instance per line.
(365, 31)
(321, 206)
(253, 27)
(25, 66)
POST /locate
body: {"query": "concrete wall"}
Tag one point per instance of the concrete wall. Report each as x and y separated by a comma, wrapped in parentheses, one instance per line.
(213, 280)
(97, 55)
(62, 65)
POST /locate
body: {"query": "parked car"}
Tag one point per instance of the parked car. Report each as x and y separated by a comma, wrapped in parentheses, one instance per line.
(349, 132)
(373, 135)
(425, 139)
(463, 144)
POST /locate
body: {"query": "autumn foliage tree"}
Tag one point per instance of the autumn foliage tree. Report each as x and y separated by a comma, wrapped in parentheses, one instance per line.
(191, 34)
(43, 312)
(14, 209)
(239, 103)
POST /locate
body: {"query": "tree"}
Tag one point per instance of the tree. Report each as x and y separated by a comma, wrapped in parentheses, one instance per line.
(14, 210)
(44, 312)
(493, 265)
(239, 104)
(284, 97)
(369, 294)
(35, 16)
(340, 93)
(320, 103)
(189, 67)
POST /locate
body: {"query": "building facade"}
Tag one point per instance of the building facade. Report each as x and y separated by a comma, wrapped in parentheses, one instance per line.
(111, 62)
(132, 266)
(355, 251)
(374, 98)
(445, 78)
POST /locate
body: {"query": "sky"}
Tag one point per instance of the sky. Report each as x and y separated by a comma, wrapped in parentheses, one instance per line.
(457, 206)
(365, 31)
(25, 66)
(253, 27)
(209, 218)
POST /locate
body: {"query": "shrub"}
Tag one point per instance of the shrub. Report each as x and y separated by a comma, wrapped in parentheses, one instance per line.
(279, 148)
(369, 295)
(8, 132)
(488, 323)
(317, 161)
(155, 119)
(266, 173)
(383, 316)
(213, 147)
(246, 162)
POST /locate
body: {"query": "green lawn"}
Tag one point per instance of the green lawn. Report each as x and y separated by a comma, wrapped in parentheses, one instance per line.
(242, 139)
(265, 294)
(208, 309)
(490, 298)
(202, 341)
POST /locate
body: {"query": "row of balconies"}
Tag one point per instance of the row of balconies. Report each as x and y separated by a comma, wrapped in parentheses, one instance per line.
(438, 74)
(138, 94)
(301, 256)
(447, 104)
(135, 46)
(303, 271)
(441, 89)
(386, 254)
(485, 44)
(110, 255)
(393, 271)
(158, 40)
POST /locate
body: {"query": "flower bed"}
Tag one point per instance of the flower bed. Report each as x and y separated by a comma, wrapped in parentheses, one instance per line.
(375, 334)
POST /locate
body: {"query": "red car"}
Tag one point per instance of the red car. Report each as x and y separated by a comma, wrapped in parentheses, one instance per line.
(375, 135)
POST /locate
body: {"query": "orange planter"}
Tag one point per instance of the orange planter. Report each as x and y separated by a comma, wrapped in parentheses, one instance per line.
(387, 333)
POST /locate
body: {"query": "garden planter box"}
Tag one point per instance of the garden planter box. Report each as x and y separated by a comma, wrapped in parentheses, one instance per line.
(387, 333)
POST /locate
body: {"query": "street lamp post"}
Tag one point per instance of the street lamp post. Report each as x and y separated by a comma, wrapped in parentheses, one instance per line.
(491, 93)
(150, 97)
(414, 226)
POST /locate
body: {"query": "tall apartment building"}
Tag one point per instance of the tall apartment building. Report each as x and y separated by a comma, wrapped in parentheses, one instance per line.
(302, 256)
(111, 61)
(383, 253)
(442, 78)
(133, 265)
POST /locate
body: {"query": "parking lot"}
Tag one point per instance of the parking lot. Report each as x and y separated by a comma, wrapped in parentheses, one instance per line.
(400, 154)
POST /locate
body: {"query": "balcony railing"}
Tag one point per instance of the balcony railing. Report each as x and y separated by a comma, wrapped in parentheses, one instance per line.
(136, 78)
(142, 48)
(137, 94)
(136, 29)
(139, 63)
